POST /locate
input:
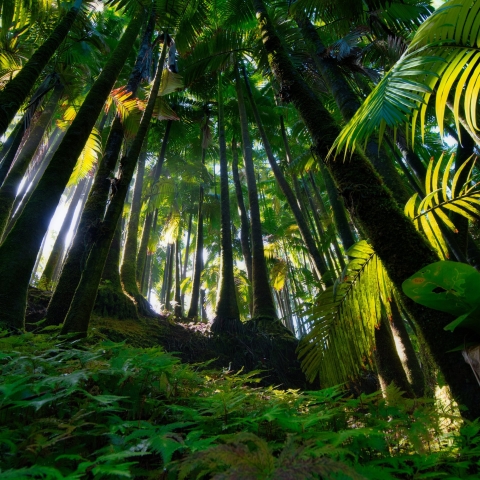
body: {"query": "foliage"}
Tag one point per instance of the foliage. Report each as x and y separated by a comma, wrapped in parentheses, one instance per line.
(444, 193)
(451, 287)
(442, 59)
(113, 411)
(342, 320)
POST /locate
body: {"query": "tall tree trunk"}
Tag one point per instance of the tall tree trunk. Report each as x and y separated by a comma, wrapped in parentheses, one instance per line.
(128, 268)
(244, 225)
(198, 265)
(263, 306)
(142, 252)
(227, 316)
(187, 252)
(78, 316)
(93, 212)
(177, 311)
(17, 90)
(9, 188)
(60, 242)
(169, 279)
(316, 256)
(381, 219)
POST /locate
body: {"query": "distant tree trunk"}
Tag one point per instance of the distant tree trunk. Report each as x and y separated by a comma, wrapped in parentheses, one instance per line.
(378, 214)
(187, 251)
(17, 89)
(9, 188)
(389, 366)
(60, 242)
(163, 291)
(244, 224)
(316, 256)
(142, 253)
(78, 316)
(93, 213)
(263, 306)
(198, 266)
(169, 283)
(128, 268)
(177, 311)
(227, 316)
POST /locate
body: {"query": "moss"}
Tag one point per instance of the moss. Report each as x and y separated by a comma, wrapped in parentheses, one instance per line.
(113, 303)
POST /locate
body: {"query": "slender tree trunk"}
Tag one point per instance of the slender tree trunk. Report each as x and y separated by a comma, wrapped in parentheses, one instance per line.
(169, 283)
(244, 225)
(78, 316)
(9, 188)
(263, 306)
(17, 90)
(227, 316)
(142, 253)
(163, 291)
(60, 242)
(9, 151)
(198, 266)
(128, 268)
(389, 366)
(316, 256)
(177, 311)
(378, 214)
(93, 213)
(187, 251)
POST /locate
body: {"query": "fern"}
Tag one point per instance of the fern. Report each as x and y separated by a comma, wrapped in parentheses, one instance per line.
(444, 194)
(341, 323)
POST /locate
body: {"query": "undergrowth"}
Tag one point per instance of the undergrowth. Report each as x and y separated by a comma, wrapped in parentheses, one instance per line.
(109, 410)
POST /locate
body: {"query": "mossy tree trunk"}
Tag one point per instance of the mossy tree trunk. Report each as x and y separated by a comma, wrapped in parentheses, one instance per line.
(401, 248)
(78, 316)
(17, 90)
(227, 315)
(19, 250)
(315, 255)
(263, 306)
(93, 212)
(8, 191)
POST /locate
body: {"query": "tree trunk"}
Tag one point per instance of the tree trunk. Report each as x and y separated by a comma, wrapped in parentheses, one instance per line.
(78, 316)
(389, 366)
(9, 188)
(128, 268)
(187, 252)
(177, 311)
(17, 90)
(381, 219)
(263, 306)
(169, 279)
(198, 266)
(316, 256)
(10, 148)
(91, 218)
(60, 242)
(227, 316)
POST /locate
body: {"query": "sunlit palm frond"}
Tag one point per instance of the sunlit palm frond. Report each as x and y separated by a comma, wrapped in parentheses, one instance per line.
(444, 194)
(341, 323)
(443, 58)
(88, 158)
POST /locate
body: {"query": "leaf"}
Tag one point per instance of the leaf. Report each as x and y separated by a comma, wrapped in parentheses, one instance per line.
(88, 158)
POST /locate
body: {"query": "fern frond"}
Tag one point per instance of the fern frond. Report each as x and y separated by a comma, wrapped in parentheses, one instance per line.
(341, 324)
(444, 195)
(88, 158)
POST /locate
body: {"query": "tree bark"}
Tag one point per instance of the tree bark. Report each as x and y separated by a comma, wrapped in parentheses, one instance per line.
(17, 90)
(381, 219)
(227, 316)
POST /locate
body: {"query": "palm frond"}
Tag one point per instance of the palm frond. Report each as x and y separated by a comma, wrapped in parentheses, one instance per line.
(443, 58)
(341, 337)
(124, 102)
(444, 194)
(88, 158)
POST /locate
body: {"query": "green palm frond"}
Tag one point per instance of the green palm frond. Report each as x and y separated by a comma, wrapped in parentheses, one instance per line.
(443, 58)
(341, 324)
(124, 102)
(444, 194)
(88, 158)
